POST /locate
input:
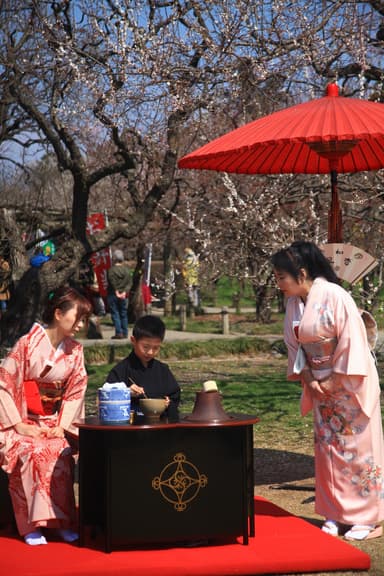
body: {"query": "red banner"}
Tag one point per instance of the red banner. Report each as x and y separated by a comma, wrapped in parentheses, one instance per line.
(101, 260)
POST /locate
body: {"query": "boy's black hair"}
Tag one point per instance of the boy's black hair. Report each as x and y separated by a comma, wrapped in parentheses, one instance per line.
(149, 327)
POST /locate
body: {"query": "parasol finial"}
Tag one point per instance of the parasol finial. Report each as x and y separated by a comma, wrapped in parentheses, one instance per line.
(332, 90)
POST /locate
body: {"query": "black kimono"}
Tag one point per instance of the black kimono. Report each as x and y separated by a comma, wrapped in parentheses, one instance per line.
(156, 379)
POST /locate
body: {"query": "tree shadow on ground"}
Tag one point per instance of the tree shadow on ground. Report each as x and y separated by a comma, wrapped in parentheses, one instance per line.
(281, 467)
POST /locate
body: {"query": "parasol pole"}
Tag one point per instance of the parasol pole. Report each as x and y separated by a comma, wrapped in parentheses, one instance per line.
(335, 220)
(334, 150)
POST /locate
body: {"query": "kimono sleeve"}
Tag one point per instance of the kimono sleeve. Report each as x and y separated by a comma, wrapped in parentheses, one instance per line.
(290, 338)
(12, 371)
(353, 362)
(293, 314)
(352, 355)
(72, 408)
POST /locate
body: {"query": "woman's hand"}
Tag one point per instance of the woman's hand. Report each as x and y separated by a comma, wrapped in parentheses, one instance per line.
(29, 430)
(315, 388)
(55, 432)
(328, 385)
(312, 384)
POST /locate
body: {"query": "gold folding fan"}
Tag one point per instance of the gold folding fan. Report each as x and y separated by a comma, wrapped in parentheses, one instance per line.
(349, 262)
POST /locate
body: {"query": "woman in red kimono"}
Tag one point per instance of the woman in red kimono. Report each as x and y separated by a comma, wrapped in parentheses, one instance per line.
(328, 352)
(42, 388)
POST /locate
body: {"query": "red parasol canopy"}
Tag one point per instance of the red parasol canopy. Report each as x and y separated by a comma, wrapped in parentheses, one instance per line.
(327, 135)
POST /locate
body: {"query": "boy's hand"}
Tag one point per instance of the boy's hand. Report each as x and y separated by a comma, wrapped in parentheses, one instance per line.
(167, 400)
(136, 390)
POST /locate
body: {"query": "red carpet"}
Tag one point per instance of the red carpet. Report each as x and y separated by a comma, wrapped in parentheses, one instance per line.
(283, 544)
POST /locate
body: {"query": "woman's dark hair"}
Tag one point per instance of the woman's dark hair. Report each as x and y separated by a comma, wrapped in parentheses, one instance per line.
(149, 327)
(307, 255)
(63, 299)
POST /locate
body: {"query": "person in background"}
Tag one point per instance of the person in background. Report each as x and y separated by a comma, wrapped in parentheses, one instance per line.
(147, 296)
(328, 352)
(5, 275)
(92, 291)
(38, 259)
(190, 272)
(42, 388)
(119, 277)
(142, 373)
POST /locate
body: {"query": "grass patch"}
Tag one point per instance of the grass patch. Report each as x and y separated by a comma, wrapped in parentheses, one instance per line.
(202, 325)
(106, 353)
(97, 375)
(238, 324)
(109, 353)
(248, 325)
(197, 349)
(226, 290)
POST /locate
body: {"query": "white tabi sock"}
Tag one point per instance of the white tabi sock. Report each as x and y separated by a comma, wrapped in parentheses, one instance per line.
(35, 538)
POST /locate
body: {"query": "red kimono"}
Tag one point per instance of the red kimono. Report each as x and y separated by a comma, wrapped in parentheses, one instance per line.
(41, 469)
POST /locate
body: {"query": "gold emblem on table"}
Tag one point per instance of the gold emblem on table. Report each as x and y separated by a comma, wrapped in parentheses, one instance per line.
(179, 482)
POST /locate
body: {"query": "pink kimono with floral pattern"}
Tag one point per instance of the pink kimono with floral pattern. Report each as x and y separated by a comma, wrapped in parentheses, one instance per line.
(41, 469)
(349, 446)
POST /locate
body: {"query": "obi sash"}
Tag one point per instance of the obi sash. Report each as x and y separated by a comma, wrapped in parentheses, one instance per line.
(318, 356)
(43, 399)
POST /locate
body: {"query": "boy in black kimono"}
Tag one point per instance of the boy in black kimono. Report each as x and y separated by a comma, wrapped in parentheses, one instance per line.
(142, 373)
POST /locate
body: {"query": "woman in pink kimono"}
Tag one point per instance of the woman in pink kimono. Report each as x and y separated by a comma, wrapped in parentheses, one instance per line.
(329, 353)
(42, 388)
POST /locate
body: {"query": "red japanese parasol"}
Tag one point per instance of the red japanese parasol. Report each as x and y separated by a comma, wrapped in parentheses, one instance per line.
(332, 134)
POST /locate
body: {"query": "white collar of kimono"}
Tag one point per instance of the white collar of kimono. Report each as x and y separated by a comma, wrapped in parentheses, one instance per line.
(60, 347)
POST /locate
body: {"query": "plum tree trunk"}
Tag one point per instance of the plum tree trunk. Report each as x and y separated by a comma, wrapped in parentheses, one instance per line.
(136, 303)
